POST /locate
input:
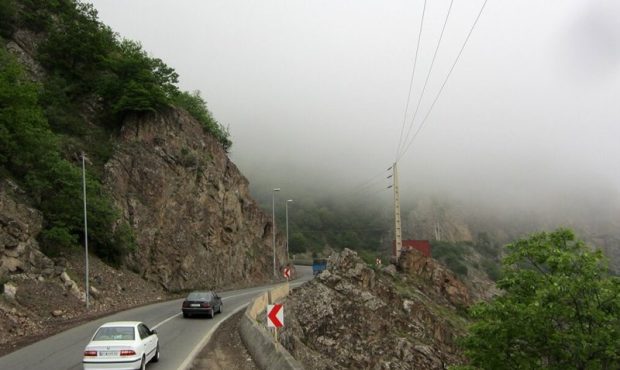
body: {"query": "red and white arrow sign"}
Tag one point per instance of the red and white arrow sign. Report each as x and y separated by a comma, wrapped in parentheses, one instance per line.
(287, 272)
(275, 315)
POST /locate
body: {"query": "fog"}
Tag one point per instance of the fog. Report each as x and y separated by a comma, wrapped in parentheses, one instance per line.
(314, 95)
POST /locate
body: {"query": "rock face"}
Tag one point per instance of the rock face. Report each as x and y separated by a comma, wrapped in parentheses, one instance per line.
(354, 317)
(188, 204)
(19, 227)
(442, 283)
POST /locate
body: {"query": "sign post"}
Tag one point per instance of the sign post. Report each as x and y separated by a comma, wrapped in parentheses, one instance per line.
(275, 317)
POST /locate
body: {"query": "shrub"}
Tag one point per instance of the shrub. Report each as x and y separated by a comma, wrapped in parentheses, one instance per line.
(197, 107)
(56, 240)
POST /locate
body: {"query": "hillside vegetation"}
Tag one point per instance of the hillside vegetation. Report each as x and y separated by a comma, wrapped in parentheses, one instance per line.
(92, 80)
(559, 309)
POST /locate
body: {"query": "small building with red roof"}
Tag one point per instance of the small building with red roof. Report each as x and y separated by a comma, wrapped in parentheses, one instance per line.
(422, 246)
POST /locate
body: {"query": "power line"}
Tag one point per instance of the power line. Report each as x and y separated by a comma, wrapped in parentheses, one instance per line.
(445, 81)
(371, 180)
(428, 75)
(371, 190)
(415, 62)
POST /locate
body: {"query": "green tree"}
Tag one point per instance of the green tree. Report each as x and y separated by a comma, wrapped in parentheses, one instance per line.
(135, 82)
(8, 11)
(25, 139)
(77, 45)
(560, 309)
(29, 151)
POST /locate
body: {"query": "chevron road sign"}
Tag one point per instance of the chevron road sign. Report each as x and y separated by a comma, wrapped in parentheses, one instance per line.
(275, 315)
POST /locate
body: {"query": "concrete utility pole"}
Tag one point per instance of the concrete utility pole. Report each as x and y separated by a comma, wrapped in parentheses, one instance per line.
(398, 237)
(287, 255)
(273, 228)
(85, 228)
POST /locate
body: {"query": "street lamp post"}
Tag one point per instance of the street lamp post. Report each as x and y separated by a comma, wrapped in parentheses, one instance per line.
(273, 228)
(287, 254)
(85, 230)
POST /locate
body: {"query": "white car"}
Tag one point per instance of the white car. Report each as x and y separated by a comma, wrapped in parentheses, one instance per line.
(121, 345)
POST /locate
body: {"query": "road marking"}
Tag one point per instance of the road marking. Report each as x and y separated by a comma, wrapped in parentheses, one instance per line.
(185, 365)
(166, 320)
(179, 313)
(188, 361)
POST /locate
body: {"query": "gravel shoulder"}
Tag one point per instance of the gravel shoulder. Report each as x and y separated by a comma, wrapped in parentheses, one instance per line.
(225, 350)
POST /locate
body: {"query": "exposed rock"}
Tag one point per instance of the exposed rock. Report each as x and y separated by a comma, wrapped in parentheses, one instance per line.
(57, 313)
(94, 292)
(23, 45)
(19, 227)
(359, 318)
(195, 222)
(64, 277)
(11, 264)
(10, 291)
(390, 270)
(442, 281)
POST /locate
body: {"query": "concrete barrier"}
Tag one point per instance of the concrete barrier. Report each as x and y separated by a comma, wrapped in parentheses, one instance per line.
(266, 352)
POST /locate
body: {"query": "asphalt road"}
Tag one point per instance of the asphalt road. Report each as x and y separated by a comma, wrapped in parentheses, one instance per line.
(180, 339)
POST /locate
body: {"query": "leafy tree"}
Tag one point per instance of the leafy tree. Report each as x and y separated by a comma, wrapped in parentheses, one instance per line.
(77, 45)
(25, 139)
(298, 243)
(135, 82)
(560, 309)
(29, 150)
(8, 11)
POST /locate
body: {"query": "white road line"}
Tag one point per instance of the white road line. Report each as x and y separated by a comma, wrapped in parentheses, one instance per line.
(188, 361)
(185, 365)
(177, 314)
(166, 320)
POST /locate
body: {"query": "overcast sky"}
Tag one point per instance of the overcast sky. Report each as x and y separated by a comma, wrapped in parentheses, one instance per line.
(315, 91)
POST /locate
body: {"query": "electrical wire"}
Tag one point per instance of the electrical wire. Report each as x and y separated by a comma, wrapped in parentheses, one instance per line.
(415, 62)
(428, 75)
(371, 180)
(444, 82)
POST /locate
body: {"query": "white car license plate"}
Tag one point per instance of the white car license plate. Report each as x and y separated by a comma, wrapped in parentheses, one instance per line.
(108, 353)
(195, 305)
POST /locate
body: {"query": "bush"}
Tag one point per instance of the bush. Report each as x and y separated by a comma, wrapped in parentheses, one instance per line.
(56, 240)
(492, 269)
(456, 265)
(197, 107)
(122, 242)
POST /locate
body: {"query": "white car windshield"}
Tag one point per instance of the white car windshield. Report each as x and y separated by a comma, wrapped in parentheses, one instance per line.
(115, 333)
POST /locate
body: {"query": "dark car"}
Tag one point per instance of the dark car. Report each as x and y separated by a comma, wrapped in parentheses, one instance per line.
(201, 303)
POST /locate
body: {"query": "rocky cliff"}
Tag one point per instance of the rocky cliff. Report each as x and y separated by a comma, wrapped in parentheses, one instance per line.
(189, 206)
(397, 317)
(20, 224)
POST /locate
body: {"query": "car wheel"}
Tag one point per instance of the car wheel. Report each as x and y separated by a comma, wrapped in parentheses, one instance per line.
(156, 357)
(219, 310)
(185, 314)
(143, 364)
(212, 313)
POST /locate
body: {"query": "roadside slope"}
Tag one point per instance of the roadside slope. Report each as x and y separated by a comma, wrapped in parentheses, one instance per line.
(352, 316)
